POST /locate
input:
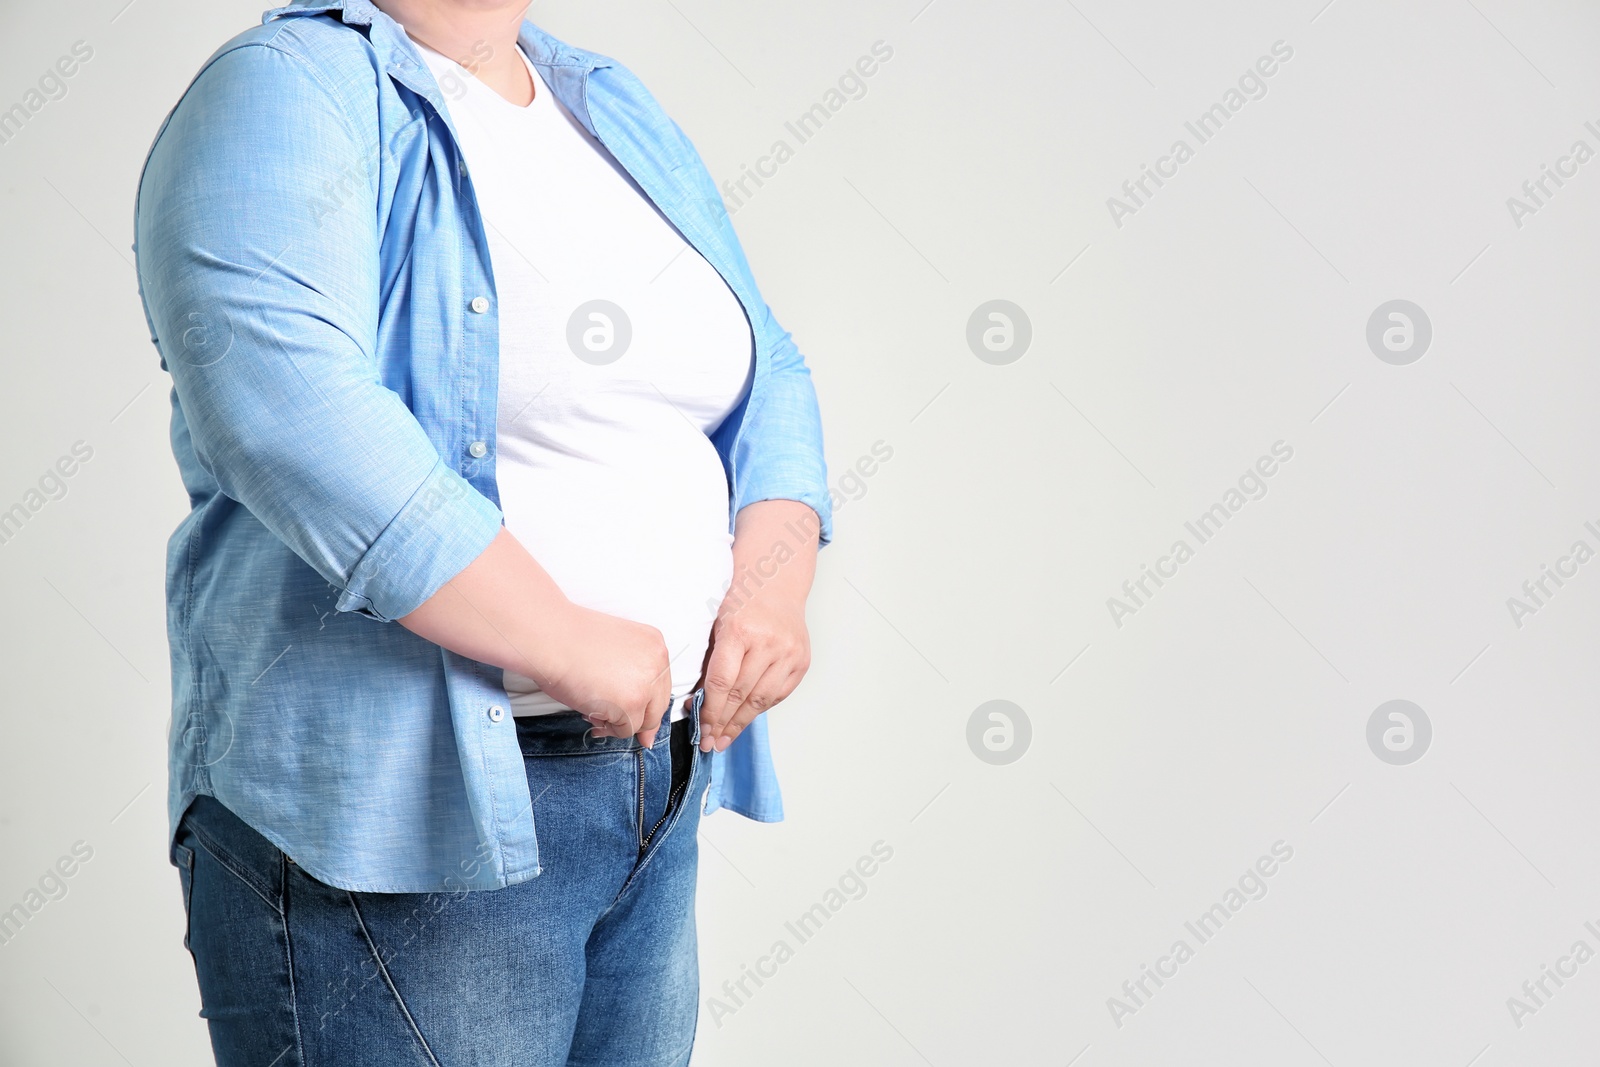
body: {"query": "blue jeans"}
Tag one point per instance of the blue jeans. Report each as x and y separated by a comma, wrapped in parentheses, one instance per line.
(591, 964)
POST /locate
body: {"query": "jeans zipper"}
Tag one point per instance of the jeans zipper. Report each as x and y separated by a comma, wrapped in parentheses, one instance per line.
(638, 759)
(672, 798)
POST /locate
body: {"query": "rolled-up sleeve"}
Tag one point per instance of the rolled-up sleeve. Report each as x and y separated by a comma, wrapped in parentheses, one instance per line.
(780, 454)
(258, 260)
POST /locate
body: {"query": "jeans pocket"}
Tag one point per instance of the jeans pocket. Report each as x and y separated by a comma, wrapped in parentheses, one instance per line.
(185, 857)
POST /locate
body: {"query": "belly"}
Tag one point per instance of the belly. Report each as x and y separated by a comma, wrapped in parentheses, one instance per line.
(646, 539)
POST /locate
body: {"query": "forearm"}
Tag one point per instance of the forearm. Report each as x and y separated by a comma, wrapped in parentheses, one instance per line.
(774, 551)
(503, 608)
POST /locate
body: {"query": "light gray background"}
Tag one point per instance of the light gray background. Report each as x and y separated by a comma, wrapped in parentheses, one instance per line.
(1228, 714)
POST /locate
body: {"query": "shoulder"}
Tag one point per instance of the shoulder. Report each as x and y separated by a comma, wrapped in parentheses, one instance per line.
(292, 62)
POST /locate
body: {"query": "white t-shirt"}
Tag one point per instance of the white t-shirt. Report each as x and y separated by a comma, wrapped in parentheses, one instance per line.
(606, 473)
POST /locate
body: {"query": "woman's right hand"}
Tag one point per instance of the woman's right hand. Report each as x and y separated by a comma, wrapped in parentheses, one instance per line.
(614, 672)
(505, 609)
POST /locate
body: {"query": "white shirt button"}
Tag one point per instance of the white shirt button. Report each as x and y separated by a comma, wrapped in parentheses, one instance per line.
(496, 713)
(478, 449)
(479, 304)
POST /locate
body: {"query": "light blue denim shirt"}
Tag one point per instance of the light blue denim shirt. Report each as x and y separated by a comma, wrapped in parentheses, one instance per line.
(317, 281)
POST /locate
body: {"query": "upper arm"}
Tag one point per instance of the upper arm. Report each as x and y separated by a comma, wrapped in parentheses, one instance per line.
(258, 259)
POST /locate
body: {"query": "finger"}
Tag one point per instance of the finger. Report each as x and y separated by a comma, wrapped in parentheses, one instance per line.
(756, 663)
(660, 704)
(652, 723)
(721, 673)
(608, 720)
(645, 732)
(600, 726)
(767, 690)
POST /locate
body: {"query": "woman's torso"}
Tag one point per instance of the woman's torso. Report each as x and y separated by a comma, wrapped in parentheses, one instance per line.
(621, 348)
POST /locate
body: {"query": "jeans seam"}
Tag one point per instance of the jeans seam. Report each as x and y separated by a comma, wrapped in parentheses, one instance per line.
(288, 958)
(388, 980)
(186, 880)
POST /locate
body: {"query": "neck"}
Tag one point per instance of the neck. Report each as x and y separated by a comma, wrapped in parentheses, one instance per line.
(481, 35)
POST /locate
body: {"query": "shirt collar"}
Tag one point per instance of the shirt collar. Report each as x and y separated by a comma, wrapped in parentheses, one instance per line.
(386, 34)
(562, 66)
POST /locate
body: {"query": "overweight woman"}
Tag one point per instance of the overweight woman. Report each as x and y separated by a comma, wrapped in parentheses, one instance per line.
(506, 495)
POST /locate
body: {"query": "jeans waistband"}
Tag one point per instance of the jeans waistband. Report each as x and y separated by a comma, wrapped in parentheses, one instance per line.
(567, 733)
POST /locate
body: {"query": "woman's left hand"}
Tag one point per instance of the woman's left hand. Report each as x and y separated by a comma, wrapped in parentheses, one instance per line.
(760, 648)
(759, 652)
